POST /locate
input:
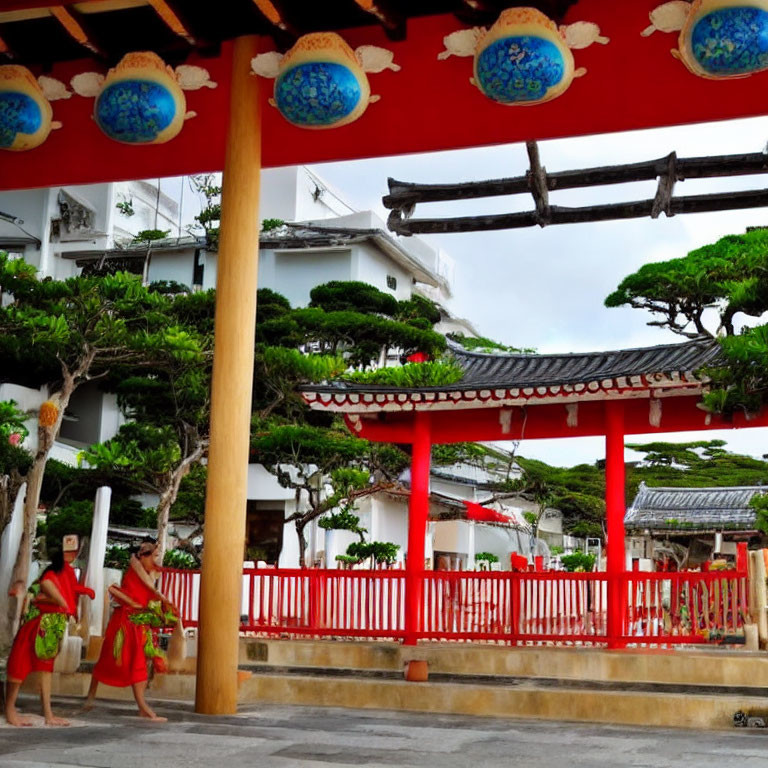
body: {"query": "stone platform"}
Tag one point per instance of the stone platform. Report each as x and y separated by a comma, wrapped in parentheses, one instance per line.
(681, 688)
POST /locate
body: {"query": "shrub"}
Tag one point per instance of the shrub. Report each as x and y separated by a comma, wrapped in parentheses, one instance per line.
(177, 558)
(435, 373)
(578, 561)
(117, 557)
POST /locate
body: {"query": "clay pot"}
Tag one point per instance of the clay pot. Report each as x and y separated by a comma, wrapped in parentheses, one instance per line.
(416, 671)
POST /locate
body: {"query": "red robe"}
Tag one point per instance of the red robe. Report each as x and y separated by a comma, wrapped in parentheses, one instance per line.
(72, 588)
(124, 666)
(23, 659)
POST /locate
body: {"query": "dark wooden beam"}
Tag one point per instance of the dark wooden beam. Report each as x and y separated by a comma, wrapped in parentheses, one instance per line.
(403, 194)
(537, 181)
(722, 201)
(393, 22)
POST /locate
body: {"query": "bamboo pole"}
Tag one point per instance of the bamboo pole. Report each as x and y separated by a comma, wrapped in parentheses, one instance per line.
(236, 281)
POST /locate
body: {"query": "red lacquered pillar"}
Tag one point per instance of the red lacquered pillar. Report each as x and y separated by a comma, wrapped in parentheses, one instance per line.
(418, 512)
(614, 512)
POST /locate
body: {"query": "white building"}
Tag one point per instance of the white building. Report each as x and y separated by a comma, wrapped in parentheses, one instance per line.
(65, 230)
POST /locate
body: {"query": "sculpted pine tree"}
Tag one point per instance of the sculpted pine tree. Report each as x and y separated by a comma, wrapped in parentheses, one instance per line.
(711, 292)
(62, 334)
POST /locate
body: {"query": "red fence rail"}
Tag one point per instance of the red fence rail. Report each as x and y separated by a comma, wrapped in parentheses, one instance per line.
(516, 608)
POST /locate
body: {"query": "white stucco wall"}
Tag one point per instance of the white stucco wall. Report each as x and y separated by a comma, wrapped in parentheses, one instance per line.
(370, 265)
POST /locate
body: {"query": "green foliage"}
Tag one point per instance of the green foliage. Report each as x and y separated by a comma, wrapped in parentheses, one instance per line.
(117, 557)
(190, 501)
(13, 457)
(448, 454)
(343, 520)
(168, 287)
(380, 551)
(759, 503)
(730, 275)
(140, 449)
(556, 550)
(531, 518)
(180, 559)
(354, 296)
(483, 344)
(267, 225)
(683, 454)
(125, 207)
(418, 308)
(148, 235)
(75, 517)
(270, 305)
(578, 561)
(209, 192)
(433, 373)
(486, 557)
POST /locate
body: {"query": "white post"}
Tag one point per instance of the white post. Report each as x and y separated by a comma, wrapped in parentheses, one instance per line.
(471, 546)
(94, 575)
(9, 546)
(330, 549)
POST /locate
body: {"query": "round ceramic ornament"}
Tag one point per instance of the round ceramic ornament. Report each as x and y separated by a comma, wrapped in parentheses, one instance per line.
(718, 38)
(26, 117)
(140, 101)
(524, 58)
(321, 82)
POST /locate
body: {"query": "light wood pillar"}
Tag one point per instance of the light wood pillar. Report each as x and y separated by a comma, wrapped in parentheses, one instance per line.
(236, 279)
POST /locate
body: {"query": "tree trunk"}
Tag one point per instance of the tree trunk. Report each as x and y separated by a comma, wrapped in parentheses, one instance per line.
(9, 490)
(300, 525)
(169, 494)
(45, 439)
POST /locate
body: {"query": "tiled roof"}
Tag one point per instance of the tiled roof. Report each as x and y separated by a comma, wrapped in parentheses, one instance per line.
(512, 378)
(526, 370)
(693, 509)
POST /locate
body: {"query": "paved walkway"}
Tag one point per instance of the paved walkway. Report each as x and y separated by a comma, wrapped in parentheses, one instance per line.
(277, 736)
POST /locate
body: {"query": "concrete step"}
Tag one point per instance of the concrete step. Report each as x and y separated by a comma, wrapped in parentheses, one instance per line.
(690, 666)
(522, 699)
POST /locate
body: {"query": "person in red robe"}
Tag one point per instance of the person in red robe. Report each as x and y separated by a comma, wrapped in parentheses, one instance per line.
(38, 641)
(128, 640)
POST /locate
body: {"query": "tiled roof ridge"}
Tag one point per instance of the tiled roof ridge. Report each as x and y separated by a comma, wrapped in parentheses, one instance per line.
(457, 348)
(702, 489)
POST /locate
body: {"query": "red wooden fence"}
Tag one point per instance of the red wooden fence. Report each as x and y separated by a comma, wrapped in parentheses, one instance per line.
(555, 607)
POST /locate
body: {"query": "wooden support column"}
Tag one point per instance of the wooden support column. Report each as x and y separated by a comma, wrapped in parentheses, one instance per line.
(418, 512)
(236, 280)
(614, 512)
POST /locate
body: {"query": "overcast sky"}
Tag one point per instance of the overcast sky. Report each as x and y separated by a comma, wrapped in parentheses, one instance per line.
(545, 288)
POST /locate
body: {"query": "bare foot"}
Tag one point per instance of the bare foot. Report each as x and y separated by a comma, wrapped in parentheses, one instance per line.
(150, 715)
(16, 720)
(87, 705)
(58, 722)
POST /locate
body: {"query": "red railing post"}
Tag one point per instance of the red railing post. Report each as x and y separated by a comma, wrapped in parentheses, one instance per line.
(741, 556)
(417, 526)
(614, 511)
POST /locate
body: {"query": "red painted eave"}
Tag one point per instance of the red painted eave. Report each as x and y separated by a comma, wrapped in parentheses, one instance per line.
(679, 414)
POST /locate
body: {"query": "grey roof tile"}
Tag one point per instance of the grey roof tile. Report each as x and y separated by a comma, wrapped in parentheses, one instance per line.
(507, 370)
(693, 509)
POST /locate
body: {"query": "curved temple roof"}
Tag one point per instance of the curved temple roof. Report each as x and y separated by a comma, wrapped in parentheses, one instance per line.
(491, 380)
(693, 509)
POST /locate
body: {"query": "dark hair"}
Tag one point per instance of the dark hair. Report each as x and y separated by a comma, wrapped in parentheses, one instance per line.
(57, 561)
(137, 545)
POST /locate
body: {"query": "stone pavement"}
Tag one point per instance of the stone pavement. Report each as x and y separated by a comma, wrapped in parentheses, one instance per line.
(275, 736)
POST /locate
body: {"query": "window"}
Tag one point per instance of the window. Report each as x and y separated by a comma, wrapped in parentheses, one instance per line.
(391, 282)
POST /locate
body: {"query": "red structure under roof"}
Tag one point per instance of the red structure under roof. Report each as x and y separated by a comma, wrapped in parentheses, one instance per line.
(630, 83)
